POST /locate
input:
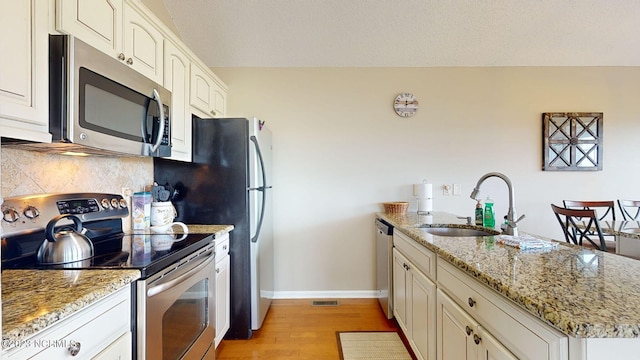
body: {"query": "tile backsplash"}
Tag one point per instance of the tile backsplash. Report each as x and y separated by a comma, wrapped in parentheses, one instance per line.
(29, 172)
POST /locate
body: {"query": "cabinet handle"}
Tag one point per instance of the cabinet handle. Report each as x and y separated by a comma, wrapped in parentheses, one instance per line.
(217, 270)
(469, 331)
(130, 61)
(121, 57)
(471, 302)
(224, 247)
(476, 339)
(213, 112)
(74, 347)
(405, 266)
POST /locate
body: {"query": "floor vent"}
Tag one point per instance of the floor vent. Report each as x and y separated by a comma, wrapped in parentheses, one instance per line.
(325, 303)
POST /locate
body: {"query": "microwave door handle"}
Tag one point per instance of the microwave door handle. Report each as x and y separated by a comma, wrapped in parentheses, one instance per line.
(161, 128)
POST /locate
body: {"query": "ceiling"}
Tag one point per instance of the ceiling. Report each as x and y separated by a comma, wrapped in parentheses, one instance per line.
(409, 33)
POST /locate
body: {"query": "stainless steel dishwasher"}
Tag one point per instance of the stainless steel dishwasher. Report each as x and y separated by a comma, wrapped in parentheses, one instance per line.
(384, 266)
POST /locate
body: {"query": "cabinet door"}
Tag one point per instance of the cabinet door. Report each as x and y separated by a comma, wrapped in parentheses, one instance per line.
(423, 315)
(489, 348)
(176, 80)
(96, 22)
(143, 44)
(400, 289)
(222, 298)
(455, 330)
(206, 94)
(24, 70)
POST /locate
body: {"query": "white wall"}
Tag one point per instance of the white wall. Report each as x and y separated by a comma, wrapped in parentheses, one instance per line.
(340, 151)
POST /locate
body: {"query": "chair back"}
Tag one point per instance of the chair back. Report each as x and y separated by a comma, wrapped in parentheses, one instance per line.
(605, 210)
(579, 225)
(630, 209)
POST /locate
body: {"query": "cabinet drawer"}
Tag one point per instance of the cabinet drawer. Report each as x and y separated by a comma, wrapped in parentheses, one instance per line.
(527, 337)
(94, 335)
(222, 247)
(421, 257)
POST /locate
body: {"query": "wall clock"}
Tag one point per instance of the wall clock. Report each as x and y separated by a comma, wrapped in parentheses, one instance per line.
(405, 105)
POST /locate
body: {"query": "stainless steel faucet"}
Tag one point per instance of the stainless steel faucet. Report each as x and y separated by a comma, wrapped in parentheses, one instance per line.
(512, 223)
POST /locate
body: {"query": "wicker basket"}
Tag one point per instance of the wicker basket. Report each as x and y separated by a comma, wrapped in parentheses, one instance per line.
(396, 207)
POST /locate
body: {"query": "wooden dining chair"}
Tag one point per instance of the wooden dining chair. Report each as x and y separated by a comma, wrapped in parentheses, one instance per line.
(605, 210)
(579, 225)
(630, 209)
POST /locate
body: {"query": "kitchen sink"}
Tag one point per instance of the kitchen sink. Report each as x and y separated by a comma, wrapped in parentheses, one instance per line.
(458, 231)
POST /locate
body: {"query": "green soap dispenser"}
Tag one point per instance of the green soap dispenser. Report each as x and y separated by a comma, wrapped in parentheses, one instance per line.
(479, 214)
(489, 215)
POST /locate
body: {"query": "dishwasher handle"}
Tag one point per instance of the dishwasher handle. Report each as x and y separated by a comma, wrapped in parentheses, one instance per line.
(384, 227)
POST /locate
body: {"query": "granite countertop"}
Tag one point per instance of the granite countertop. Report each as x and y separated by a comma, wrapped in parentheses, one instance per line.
(35, 299)
(216, 230)
(582, 292)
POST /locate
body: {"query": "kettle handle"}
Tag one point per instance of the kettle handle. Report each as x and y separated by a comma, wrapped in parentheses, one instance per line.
(52, 223)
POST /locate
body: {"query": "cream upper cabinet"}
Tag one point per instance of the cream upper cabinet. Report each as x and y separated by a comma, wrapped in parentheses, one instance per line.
(115, 28)
(208, 94)
(24, 70)
(143, 44)
(96, 22)
(176, 80)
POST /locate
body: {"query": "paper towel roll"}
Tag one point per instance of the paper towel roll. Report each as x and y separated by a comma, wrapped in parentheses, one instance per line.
(423, 190)
(428, 192)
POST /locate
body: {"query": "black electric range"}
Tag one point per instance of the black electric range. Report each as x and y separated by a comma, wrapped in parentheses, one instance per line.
(25, 218)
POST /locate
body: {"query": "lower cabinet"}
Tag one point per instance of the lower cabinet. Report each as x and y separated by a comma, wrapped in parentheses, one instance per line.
(100, 331)
(223, 278)
(414, 302)
(461, 337)
(487, 326)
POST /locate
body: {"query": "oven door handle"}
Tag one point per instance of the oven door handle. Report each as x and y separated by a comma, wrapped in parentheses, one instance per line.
(177, 281)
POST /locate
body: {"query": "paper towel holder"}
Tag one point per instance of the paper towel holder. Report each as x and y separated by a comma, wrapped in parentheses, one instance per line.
(424, 195)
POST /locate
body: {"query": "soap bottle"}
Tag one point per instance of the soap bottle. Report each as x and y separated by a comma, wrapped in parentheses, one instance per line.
(479, 214)
(489, 215)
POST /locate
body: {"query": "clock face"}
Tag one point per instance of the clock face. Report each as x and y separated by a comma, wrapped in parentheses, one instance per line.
(405, 105)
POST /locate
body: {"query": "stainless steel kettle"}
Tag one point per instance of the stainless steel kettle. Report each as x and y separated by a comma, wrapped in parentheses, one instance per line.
(65, 246)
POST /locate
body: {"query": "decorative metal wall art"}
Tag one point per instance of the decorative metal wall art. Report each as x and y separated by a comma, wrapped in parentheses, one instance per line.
(572, 141)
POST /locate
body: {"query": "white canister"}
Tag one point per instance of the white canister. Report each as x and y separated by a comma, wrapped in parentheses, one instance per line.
(162, 213)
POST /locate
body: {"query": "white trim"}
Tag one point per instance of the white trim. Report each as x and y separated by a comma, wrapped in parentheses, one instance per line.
(355, 294)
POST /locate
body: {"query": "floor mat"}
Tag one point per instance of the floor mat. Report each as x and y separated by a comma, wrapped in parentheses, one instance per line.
(379, 345)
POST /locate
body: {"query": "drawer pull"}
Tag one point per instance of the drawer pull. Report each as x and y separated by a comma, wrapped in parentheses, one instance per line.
(476, 339)
(471, 302)
(469, 331)
(74, 347)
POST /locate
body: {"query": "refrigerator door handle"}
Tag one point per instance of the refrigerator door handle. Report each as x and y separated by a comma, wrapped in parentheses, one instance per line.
(260, 188)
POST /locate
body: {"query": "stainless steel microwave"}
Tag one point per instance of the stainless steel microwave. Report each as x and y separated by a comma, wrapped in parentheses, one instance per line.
(100, 105)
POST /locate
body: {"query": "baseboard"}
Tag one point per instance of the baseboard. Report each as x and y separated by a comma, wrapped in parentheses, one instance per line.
(329, 294)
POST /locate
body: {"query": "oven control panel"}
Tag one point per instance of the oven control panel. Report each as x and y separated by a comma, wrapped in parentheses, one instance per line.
(22, 214)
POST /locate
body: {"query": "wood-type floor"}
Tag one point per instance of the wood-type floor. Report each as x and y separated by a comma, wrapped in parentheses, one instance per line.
(294, 329)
